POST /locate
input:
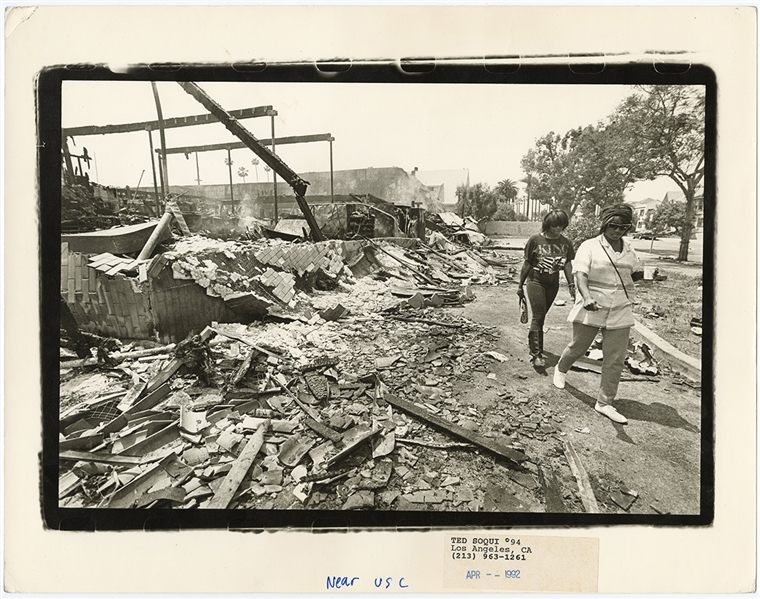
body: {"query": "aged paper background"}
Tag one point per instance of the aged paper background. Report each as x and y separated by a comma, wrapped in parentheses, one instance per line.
(720, 558)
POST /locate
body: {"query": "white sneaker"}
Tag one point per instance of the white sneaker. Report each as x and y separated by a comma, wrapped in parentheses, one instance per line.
(559, 378)
(611, 413)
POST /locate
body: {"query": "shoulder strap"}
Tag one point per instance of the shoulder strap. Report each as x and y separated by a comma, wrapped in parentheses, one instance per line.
(615, 267)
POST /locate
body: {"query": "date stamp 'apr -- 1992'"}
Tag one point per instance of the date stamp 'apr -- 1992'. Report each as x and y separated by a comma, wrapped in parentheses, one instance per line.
(521, 563)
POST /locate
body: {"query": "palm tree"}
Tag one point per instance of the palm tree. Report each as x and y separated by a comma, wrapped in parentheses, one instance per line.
(507, 189)
(529, 180)
(242, 173)
(255, 163)
(267, 169)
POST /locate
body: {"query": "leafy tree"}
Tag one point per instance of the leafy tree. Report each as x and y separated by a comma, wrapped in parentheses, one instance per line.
(505, 211)
(582, 169)
(242, 173)
(664, 128)
(482, 202)
(670, 214)
(478, 201)
(581, 228)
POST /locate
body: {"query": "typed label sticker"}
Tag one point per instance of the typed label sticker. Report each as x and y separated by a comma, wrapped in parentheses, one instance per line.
(508, 562)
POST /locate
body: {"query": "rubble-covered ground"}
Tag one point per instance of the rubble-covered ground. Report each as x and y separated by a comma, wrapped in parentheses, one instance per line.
(672, 308)
(380, 395)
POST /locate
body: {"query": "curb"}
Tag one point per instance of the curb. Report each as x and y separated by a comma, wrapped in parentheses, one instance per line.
(678, 360)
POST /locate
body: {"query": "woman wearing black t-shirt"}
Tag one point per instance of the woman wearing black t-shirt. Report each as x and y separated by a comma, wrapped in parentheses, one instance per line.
(545, 255)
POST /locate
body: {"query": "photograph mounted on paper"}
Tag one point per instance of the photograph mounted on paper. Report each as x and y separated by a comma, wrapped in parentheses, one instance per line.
(375, 299)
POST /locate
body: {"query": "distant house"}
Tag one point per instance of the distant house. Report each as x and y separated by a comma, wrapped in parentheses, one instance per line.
(642, 210)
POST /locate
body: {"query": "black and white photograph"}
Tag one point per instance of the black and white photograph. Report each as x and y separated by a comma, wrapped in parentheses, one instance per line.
(449, 297)
(409, 299)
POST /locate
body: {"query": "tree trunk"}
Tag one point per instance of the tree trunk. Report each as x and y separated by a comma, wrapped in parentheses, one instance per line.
(688, 227)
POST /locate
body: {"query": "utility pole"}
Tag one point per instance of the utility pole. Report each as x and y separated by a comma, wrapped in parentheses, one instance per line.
(229, 166)
(272, 114)
(164, 169)
(527, 201)
(332, 189)
(153, 166)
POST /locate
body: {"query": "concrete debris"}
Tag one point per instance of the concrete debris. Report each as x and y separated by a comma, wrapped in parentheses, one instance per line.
(497, 356)
(622, 500)
(309, 386)
(640, 359)
(190, 412)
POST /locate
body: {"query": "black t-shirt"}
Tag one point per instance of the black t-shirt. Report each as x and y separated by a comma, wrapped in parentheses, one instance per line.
(548, 257)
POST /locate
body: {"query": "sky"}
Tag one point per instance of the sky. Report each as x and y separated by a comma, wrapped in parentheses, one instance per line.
(477, 128)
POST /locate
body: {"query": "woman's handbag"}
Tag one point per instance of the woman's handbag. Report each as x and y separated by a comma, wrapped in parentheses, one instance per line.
(523, 310)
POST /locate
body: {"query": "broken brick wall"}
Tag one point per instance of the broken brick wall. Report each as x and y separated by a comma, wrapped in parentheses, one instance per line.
(115, 306)
(181, 306)
(184, 290)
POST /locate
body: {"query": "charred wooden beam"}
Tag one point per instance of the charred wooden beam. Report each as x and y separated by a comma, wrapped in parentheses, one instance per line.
(239, 145)
(173, 123)
(508, 453)
(239, 469)
(270, 159)
(584, 484)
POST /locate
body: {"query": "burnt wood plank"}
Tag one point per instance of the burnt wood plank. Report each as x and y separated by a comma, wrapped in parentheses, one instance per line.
(506, 452)
(239, 469)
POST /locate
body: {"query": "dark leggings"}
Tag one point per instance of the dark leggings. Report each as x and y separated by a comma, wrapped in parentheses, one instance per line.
(540, 296)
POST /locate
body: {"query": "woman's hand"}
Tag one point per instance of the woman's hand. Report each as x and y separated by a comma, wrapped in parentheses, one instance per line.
(590, 304)
(520, 293)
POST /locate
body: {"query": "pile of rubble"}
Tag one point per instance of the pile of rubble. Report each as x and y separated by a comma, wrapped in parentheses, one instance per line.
(360, 413)
(269, 417)
(81, 210)
(197, 280)
(349, 394)
(323, 406)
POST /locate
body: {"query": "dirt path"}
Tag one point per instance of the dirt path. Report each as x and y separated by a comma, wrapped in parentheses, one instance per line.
(656, 454)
